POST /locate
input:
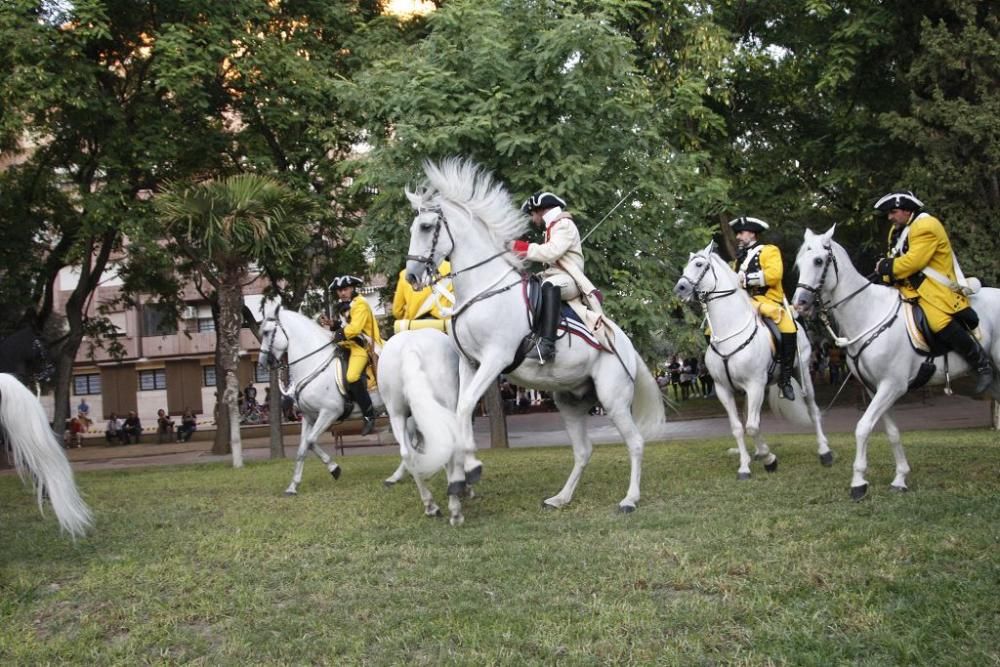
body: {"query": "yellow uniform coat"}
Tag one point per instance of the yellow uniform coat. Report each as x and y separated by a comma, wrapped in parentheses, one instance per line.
(409, 305)
(926, 245)
(769, 299)
(360, 322)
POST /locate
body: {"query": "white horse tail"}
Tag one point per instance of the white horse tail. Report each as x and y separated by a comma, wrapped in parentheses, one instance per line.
(797, 412)
(39, 457)
(435, 423)
(647, 403)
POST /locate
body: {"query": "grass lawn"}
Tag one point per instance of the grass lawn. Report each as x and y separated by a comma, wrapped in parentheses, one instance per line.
(210, 565)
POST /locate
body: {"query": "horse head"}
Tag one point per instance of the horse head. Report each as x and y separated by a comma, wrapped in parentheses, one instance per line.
(703, 275)
(463, 214)
(273, 337)
(816, 279)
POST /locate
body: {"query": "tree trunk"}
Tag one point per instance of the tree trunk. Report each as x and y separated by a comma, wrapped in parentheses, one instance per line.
(493, 402)
(228, 347)
(275, 415)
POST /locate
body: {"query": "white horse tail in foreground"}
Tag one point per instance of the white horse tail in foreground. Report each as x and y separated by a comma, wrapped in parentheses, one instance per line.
(464, 214)
(872, 323)
(39, 457)
(739, 356)
(418, 373)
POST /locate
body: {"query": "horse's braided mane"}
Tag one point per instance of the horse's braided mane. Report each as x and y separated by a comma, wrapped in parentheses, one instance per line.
(465, 184)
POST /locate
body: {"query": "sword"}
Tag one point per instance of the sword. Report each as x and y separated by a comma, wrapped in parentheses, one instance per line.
(613, 209)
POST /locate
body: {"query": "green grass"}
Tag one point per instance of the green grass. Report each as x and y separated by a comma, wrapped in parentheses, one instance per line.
(210, 565)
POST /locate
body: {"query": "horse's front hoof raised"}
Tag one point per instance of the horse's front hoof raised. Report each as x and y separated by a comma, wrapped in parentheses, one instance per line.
(474, 475)
(626, 509)
(743, 476)
(826, 459)
(859, 492)
(335, 473)
(772, 466)
(898, 489)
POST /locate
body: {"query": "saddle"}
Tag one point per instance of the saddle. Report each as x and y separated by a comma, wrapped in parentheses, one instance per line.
(576, 319)
(919, 331)
(774, 337)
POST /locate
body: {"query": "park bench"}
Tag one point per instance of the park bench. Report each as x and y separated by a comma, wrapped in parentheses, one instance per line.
(352, 427)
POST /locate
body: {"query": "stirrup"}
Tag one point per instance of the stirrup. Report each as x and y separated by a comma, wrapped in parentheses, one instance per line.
(787, 392)
(546, 349)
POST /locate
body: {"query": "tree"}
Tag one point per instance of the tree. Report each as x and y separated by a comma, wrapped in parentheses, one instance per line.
(223, 227)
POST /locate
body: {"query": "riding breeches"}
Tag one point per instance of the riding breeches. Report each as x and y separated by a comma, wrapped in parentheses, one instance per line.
(357, 362)
(567, 286)
(774, 311)
(937, 319)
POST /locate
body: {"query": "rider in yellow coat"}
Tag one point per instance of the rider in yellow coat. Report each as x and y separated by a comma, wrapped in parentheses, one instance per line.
(921, 264)
(357, 335)
(760, 271)
(420, 310)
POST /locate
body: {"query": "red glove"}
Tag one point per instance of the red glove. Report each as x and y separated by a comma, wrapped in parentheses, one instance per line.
(520, 248)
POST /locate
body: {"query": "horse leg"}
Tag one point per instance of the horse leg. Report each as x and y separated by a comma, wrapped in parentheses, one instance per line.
(725, 395)
(755, 399)
(322, 423)
(574, 414)
(430, 507)
(618, 406)
(902, 466)
(809, 392)
(300, 457)
(473, 383)
(397, 421)
(397, 476)
(884, 398)
(455, 471)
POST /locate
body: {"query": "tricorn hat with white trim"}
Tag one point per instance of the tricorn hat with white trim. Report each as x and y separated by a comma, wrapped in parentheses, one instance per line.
(346, 281)
(542, 200)
(904, 200)
(747, 224)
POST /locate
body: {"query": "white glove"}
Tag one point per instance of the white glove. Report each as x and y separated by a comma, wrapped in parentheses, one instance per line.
(755, 279)
(741, 279)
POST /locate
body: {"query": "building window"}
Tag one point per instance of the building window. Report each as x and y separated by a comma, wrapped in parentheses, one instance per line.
(157, 320)
(205, 324)
(261, 374)
(87, 385)
(154, 379)
(208, 376)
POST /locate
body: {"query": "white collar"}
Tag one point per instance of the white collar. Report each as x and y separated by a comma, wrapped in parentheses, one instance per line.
(550, 215)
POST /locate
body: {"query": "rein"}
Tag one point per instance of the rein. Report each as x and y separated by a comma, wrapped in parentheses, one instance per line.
(274, 364)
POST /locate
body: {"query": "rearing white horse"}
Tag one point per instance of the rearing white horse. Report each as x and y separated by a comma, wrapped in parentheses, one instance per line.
(311, 377)
(464, 214)
(740, 355)
(879, 353)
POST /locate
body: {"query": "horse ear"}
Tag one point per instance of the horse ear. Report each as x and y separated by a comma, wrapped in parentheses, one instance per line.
(828, 236)
(710, 248)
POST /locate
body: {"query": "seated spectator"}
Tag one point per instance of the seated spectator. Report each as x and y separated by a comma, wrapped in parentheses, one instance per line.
(74, 433)
(164, 426)
(113, 431)
(132, 428)
(188, 426)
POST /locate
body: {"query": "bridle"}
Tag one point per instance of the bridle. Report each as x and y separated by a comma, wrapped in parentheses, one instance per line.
(274, 364)
(704, 296)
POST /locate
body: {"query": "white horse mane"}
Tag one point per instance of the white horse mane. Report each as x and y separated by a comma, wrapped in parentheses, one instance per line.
(468, 186)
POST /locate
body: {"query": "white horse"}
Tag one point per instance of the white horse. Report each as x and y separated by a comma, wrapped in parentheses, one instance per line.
(879, 353)
(418, 374)
(311, 378)
(464, 214)
(39, 457)
(740, 355)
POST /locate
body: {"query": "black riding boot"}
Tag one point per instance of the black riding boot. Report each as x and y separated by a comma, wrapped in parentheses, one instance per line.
(359, 392)
(965, 345)
(788, 350)
(551, 305)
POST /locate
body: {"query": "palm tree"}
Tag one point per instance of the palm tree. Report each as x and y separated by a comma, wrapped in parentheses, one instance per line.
(222, 226)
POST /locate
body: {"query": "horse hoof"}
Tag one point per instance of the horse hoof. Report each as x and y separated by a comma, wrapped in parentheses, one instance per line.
(626, 509)
(474, 475)
(772, 466)
(546, 505)
(743, 476)
(859, 492)
(826, 459)
(289, 492)
(335, 472)
(388, 483)
(436, 513)
(457, 520)
(456, 488)
(898, 489)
